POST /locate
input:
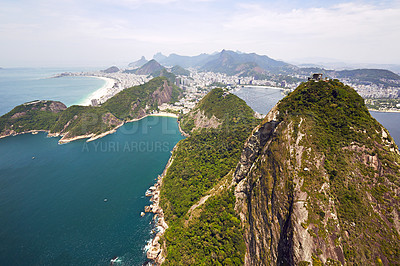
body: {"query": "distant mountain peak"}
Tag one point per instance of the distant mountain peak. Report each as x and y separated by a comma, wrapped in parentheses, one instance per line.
(112, 69)
(149, 68)
(139, 63)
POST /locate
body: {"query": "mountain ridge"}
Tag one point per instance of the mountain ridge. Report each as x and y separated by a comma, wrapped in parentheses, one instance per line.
(315, 183)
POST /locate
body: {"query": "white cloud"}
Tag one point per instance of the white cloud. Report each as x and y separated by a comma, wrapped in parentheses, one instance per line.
(345, 30)
(129, 28)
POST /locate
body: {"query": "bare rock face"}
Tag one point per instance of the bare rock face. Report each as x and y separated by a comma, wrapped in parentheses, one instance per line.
(289, 207)
(110, 119)
(56, 107)
(202, 121)
(163, 94)
(272, 205)
(18, 115)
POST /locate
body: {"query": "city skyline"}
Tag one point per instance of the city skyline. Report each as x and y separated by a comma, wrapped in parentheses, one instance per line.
(88, 33)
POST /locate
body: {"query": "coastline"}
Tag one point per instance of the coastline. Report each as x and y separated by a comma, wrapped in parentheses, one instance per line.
(155, 251)
(91, 136)
(33, 132)
(109, 83)
(264, 87)
(384, 111)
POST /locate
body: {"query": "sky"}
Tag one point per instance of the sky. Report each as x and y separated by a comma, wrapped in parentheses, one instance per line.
(116, 32)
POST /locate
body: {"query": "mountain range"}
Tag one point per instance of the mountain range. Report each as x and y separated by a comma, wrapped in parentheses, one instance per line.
(259, 67)
(228, 62)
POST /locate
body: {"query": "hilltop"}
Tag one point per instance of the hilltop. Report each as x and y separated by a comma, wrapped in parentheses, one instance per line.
(149, 68)
(316, 182)
(218, 128)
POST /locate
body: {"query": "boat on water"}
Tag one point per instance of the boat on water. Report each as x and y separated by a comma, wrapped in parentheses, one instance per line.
(115, 260)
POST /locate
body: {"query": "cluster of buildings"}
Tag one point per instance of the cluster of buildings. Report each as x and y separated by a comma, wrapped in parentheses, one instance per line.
(197, 85)
(207, 79)
(374, 91)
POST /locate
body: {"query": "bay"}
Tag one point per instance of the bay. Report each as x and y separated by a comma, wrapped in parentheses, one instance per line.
(80, 203)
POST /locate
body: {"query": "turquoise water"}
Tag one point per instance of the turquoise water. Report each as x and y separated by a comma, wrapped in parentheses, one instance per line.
(52, 206)
(20, 85)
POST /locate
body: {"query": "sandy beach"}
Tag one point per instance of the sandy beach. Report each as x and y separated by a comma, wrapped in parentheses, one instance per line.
(100, 92)
(164, 114)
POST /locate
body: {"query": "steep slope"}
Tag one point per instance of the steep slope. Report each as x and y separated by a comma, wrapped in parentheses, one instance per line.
(87, 121)
(318, 182)
(197, 185)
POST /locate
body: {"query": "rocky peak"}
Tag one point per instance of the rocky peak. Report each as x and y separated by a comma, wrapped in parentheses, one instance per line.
(321, 184)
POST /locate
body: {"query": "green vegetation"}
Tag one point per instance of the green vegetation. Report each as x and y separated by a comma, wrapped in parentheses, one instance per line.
(338, 111)
(200, 162)
(82, 120)
(335, 120)
(178, 70)
(36, 115)
(214, 238)
(128, 104)
(164, 73)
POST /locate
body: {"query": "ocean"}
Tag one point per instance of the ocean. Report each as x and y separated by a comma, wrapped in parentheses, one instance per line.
(77, 203)
(20, 85)
(80, 203)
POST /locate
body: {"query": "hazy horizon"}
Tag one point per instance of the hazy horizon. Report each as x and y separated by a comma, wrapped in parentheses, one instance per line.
(63, 33)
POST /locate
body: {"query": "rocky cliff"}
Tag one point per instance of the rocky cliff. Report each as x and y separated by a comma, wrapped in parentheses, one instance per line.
(318, 182)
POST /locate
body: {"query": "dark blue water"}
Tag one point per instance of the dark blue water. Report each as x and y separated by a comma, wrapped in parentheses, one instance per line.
(20, 85)
(263, 99)
(391, 121)
(52, 208)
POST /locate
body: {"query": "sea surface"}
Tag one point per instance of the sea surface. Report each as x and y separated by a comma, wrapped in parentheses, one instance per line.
(80, 203)
(263, 99)
(20, 85)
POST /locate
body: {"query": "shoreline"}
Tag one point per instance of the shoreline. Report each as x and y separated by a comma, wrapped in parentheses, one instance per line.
(263, 87)
(92, 136)
(99, 92)
(155, 251)
(33, 132)
(384, 111)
